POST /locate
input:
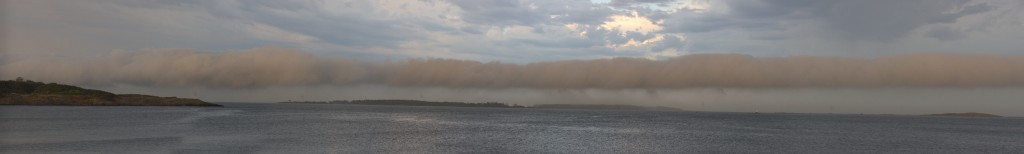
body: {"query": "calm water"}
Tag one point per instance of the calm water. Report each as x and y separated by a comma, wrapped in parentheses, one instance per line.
(312, 128)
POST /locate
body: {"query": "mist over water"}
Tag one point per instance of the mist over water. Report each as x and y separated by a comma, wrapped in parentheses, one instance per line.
(272, 66)
(898, 84)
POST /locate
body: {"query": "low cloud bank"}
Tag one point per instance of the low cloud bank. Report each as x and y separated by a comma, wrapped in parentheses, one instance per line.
(271, 66)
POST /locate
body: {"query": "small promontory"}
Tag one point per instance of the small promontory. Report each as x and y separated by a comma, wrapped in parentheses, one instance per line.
(28, 92)
(965, 114)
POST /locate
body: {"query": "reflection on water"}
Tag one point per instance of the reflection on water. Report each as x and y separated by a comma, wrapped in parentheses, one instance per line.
(312, 128)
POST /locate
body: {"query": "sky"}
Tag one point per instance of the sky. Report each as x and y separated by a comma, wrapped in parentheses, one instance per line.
(866, 56)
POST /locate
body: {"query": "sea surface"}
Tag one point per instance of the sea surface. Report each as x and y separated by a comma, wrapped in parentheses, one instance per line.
(327, 128)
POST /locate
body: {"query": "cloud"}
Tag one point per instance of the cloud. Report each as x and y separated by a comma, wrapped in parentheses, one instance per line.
(633, 23)
(91, 26)
(271, 66)
(518, 31)
(945, 33)
(500, 12)
(629, 3)
(859, 28)
(274, 33)
(784, 51)
(857, 20)
(531, 12)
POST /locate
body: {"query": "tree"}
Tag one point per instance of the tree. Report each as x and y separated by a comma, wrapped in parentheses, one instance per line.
(19, 79)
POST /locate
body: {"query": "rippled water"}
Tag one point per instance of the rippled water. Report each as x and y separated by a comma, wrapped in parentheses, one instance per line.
(313, 128)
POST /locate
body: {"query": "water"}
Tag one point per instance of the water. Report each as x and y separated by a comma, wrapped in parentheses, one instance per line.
(315, 128)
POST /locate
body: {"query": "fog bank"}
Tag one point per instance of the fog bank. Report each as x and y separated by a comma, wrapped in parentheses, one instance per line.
(271, 66)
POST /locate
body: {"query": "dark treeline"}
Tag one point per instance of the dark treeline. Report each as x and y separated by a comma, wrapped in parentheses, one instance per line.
(414, 103)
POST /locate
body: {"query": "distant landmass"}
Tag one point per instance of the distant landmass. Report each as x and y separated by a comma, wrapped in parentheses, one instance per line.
(966, 114)
(28, 92)
(605, 107)
(490, 104)
(413, 103)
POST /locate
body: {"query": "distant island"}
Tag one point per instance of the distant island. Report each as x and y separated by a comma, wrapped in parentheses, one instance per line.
(604, 107)
(489, 104)
(412, 103)
(966, 114)
(28, 92)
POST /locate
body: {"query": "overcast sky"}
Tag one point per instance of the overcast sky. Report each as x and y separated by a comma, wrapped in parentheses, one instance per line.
(519, 30)
(92, 42)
